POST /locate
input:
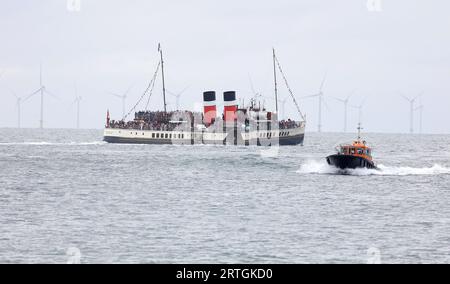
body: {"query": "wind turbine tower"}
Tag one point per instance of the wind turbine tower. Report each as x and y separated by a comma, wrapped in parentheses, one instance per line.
(345, 102)
(411, 101)
(420, 109)
(177, 97)
(123, 97)
(360, 111)
(320, 95)
(42, 90)
(77, 101)
(18, 104)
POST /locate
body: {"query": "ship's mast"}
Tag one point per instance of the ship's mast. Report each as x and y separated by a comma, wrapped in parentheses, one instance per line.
(162, 73)
(359, 131)
(275, 80)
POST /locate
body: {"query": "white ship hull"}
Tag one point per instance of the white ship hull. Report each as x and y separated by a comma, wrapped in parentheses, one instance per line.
(292, 136)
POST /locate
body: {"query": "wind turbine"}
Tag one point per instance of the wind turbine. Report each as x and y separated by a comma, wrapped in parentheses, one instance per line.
(77, 101)
(283, 104)
(123, 97)
(345, 102)
(18, 104)
(42, 90)
(177, 97)
(256, 94)
(360, 109)
(411, 101)
(320, 95)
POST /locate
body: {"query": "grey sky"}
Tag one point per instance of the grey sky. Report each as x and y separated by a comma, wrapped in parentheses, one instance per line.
(215, 45)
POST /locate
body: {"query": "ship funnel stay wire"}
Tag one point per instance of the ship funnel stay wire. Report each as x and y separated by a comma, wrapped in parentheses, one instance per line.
(289, 89)
(148, 90)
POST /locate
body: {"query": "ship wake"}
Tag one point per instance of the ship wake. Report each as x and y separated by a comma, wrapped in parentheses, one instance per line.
(319, 167)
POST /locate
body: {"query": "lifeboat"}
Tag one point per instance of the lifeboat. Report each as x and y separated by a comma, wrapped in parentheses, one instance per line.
(352, 156)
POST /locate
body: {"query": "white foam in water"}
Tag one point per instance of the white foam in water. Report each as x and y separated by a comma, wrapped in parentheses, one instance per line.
(319, 167)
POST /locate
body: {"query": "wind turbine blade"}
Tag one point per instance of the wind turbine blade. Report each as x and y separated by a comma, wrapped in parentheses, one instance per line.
(116, 95)
(350, 95)
(339, 99)
(14, 93)
(323, 82)
(418, 96)
(251, 85)
(363, 102)
(51, 94)
(127, 91)
(32, 94)
(40, 74)
(310, 96)
(404, 96)
(171, 93)
(184, 90)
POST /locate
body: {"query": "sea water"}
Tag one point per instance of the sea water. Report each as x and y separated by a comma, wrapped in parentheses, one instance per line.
(66, 196)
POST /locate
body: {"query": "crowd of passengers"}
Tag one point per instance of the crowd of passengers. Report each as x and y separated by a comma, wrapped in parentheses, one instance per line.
(160, 120)
(288, 124)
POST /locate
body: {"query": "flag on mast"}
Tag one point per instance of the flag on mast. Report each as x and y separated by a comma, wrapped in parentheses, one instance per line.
(107, 118)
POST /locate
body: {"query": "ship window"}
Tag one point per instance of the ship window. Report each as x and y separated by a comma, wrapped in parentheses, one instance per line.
(179, 136)
(287, 133)
(143, 133)
(153, 135)
(166, 136)
(157, 135)
(182, 136)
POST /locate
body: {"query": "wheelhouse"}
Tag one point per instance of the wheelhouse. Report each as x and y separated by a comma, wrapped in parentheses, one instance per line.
(358, 148)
